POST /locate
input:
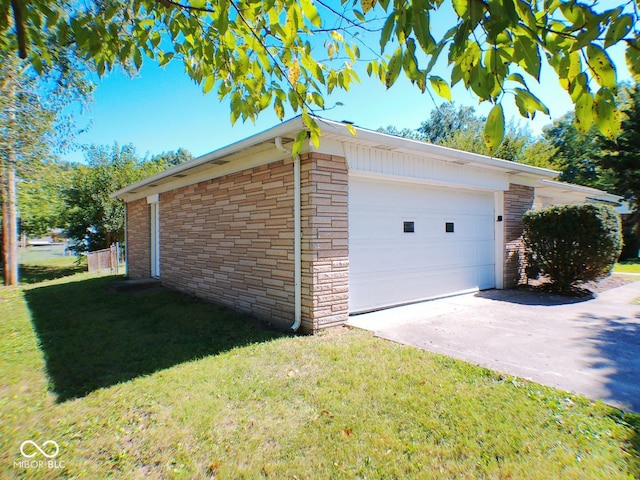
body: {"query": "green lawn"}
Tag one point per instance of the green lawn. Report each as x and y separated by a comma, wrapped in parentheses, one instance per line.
(628, 266)
(163, 386)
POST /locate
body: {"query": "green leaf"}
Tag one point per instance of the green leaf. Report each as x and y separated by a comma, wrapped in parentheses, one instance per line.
(310, 11)
(607, 116)
(137, 58)
(632, 56)
(602, 67)
(279, 108)
(387, 29)
(516, 77)
(299, 142)
(526, 55)
(394, 67)
(208, 83)
(494, 128)
(528, 103)
(461, 7)
(584, 112)
(619, 27)
(440, 86)
(36, 61)
(421, 29)
(481, 82)
(367, 5)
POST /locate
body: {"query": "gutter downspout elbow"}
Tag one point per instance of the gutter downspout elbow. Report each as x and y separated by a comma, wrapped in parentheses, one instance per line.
(297, 241)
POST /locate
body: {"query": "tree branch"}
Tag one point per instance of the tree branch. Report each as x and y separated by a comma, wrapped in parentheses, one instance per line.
(20, 33)
(172, 3)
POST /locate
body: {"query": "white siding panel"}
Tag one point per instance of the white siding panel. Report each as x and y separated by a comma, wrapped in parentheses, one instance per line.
(390, 267)
(368, 160)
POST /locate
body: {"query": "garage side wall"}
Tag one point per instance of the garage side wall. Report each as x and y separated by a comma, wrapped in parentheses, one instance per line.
(325, 241)
(138, 239)
(230, 240)
(517, 201)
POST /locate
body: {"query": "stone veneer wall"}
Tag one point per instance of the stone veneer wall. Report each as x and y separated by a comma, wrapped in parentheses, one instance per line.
(517, 200)
(138, 239)
(230, 240)
(325, 241)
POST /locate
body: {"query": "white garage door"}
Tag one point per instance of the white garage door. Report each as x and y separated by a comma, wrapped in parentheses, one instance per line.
(450, 250)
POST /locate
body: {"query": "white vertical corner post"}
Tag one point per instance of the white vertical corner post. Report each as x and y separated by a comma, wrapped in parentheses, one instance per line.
(154, 203)
(499, 238)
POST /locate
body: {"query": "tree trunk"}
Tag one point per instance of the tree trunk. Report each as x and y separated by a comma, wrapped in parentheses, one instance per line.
(9, 217)
(5, 224)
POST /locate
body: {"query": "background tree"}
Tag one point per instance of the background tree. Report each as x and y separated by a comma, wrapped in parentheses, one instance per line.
(172, 158)
(622, 156)
(462, 128)
(577, 154)
(260, 55)
(94, 219)
(41, 206)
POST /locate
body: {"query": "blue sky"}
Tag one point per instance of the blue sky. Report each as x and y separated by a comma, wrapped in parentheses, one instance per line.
(161, 109)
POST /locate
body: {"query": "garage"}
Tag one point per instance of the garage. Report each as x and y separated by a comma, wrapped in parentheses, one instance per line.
(412, 241)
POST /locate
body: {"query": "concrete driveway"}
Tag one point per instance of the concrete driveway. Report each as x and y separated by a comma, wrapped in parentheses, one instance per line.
(587, 347)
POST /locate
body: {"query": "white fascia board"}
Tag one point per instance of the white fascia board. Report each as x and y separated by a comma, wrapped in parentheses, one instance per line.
(550, 187)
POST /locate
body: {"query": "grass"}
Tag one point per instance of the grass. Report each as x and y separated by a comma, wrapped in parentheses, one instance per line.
(163, 386)
(628, 266)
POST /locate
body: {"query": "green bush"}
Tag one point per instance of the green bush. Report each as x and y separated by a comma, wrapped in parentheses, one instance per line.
(572, 244)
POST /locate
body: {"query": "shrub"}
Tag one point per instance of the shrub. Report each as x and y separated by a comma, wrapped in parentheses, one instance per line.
(572, 244)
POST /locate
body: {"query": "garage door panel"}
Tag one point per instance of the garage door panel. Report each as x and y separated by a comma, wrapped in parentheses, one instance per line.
(390, 267)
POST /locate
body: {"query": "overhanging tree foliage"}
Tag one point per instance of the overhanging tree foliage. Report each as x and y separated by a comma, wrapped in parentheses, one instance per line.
(572, 243)
(265, 54)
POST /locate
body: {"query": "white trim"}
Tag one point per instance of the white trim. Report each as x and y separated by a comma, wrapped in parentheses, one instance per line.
(155, 198)
(425, 181)
(155, 239)
(498, 211)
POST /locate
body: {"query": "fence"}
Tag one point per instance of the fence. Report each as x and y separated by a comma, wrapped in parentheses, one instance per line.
(109, 258)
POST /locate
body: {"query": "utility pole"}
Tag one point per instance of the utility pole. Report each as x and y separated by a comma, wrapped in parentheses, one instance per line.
(9, 217)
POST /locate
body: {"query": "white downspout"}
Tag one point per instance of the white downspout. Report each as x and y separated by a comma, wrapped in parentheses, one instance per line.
(297, 237)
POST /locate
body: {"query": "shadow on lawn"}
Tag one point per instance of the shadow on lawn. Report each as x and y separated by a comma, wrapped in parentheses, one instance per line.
(41, 273)
(93, 338)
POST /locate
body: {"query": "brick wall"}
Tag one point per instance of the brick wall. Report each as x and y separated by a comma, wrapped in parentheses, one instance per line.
(325, 242)
(517, 200)
(230, 240)
(138, 239)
